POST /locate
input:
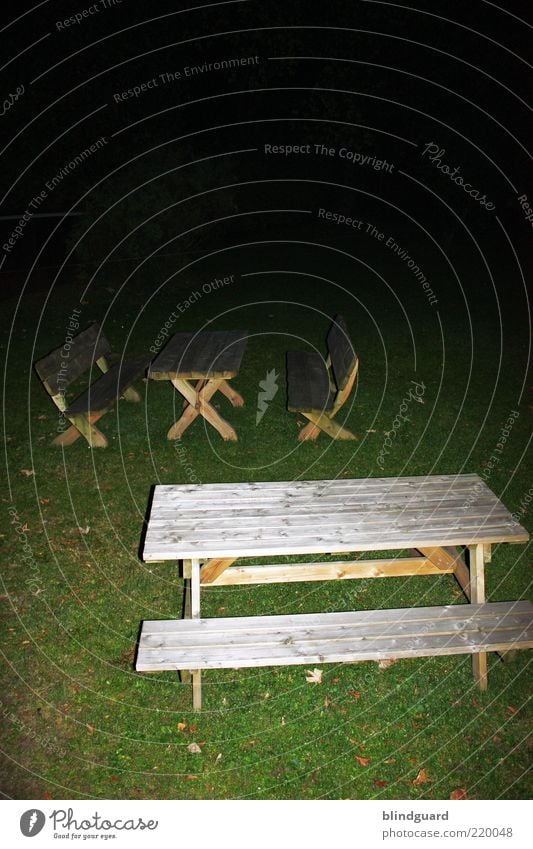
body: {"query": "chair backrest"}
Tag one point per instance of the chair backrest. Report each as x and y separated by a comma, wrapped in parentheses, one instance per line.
(341, 352)
(63, 366)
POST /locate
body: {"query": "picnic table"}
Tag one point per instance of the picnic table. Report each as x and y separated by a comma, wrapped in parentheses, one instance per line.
(428, 519)
(210, 359)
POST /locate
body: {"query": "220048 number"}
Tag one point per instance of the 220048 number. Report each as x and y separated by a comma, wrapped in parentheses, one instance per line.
(490, 832)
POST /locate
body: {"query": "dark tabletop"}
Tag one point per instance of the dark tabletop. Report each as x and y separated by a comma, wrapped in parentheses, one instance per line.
(209, 354)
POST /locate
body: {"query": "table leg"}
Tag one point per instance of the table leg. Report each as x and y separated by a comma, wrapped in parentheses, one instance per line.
(227, 390)
(199, 406)
(477, 596)
(195, 614)
(184, 673)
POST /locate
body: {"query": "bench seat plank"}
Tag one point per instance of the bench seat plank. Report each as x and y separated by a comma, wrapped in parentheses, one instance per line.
(308, 388)
(334, 637)
(109, 387)
(306, 517)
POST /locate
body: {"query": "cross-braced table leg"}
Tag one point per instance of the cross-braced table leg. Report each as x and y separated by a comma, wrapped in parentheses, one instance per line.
(198, 405)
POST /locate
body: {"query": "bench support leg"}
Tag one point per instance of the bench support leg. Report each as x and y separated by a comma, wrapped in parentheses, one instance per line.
(325, 423)
(477, 596)
(82, 426)
(196, 674)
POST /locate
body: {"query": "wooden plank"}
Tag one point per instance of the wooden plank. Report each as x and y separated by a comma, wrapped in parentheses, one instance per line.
(308, 387)
(189, 639)
(279, 644)
(237, 520)
(300, 519)
(337, 570)
(105, 391)
(64, 365)
(212, 354)
(288, 622)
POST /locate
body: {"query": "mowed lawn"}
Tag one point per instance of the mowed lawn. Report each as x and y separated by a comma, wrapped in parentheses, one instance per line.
(79, 722)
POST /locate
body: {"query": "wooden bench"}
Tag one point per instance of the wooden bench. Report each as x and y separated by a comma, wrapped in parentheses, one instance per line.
(423, 522)
(59, 369)
(334, 637)
(317, 389)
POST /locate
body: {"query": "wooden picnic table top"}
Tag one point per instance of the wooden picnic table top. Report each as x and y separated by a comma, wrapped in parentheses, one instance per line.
(205, 354)
(236, 520)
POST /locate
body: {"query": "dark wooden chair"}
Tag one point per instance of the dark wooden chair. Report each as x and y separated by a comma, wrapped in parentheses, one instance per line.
(63, 366)
(318, 388)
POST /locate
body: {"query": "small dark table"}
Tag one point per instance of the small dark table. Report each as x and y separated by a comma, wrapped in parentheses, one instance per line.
(210, 359)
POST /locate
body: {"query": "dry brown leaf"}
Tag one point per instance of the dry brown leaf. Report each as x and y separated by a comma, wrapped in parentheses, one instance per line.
(181, 726)
(313, 676)
(460, 793)
(362, 761)
(89, 728)
(384, 664)
(421, 778)
(190, 777)
(27, 472)
(512, 710)
(354, 694)
(194, 749)
(379, 783)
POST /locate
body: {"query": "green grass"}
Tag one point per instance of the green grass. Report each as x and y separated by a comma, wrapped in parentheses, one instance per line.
(79, 722)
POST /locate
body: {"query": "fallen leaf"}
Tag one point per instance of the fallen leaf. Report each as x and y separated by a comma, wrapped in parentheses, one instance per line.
(421, 778)
(390, 761)
(194, 749)
(46, 796)
(326, 702)
(354, 694)
(313, 676)
(384, 664)
(512, 710)
(84, 530)
(89, 728)
(181, 726)
(218, 757)
(27, 472)
(460, 793)
(190, 777)
(362, 761)
(282, 720)
(379, 783)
